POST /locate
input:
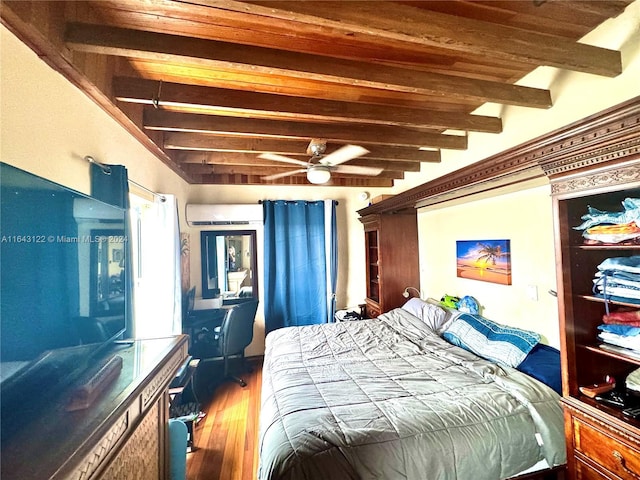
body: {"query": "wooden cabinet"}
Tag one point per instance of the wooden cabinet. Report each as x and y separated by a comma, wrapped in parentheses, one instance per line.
(121, 435)
(391, 250)
(601, 441)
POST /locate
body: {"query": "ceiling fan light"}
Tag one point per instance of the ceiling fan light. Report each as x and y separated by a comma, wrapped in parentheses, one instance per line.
(318, 174)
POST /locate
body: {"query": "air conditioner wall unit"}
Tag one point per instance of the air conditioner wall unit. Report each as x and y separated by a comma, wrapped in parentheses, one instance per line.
(223, 214)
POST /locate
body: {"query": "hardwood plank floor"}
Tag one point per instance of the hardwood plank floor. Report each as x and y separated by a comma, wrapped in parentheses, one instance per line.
(226, 439)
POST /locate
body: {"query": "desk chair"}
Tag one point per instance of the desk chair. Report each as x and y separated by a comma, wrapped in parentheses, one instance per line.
(188, 303)
(230, 338)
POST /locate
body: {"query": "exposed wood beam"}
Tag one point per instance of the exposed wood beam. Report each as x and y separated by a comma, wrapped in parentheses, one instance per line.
(266, 61)
(357, 133)
(148, 92)
(301, 180)
(414, 25)
(264, 171)
(223, 158)
(214, 143)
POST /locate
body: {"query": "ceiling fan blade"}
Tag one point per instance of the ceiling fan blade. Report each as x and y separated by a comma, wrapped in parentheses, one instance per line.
(285, 174)
(281, 158)
(357, 170)
(344, 154)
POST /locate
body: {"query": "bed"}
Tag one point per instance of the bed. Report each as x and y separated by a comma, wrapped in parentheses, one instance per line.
(389, 398)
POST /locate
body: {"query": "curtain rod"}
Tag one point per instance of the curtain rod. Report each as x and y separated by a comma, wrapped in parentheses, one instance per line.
(107, 170)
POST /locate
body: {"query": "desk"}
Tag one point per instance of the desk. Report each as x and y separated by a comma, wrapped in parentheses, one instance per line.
(209, 318)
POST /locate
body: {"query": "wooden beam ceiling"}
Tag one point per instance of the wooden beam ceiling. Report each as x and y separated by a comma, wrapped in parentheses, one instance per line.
(262, 105)
(266, 61)
(357, 133)
(209, 85)
(389, 20)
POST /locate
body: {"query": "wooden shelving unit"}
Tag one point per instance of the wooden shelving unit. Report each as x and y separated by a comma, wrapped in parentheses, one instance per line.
(584, 362)
(391, 249)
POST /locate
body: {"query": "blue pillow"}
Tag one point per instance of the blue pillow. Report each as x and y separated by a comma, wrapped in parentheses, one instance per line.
(543, 363)
(490, 340)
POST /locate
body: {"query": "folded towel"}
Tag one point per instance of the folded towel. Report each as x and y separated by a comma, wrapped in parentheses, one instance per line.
(624, 292)
(632, 343)
(630, 318)
(625, 278)
(623, 330)
(596, 217)
(623, 264)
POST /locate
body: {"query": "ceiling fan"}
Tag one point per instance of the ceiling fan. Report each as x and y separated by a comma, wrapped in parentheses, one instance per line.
(320, 166)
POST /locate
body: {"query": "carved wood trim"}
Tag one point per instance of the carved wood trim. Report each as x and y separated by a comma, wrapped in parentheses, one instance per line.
(626, 174)
(609, 136)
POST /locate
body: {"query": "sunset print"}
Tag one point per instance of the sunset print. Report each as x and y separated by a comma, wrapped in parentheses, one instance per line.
(485, 260)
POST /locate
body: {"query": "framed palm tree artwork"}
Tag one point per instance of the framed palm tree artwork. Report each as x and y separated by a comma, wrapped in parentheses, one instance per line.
(485, 260)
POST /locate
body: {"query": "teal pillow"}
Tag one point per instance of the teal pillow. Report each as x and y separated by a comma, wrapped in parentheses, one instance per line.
(490, 340)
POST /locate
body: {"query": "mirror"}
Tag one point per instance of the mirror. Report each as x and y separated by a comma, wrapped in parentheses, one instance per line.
(229, 264)
(107, 272)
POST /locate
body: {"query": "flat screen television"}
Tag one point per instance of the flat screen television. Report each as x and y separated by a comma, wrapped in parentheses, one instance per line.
(62, 297)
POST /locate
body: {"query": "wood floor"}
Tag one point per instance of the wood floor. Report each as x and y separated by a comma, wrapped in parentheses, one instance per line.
(226, 439)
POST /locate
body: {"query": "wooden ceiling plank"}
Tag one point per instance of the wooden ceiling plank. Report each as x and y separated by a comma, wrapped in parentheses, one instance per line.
(246, 81)
(414, 25)
(267, 170)
(156, 119)
(147, 91)
(252, 159)
(259, 60)
(203, 143)
(215, 179)
(188, 19)
(199, 142)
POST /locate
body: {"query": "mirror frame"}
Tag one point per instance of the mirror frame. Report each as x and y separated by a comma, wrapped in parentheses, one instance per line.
(209, 236)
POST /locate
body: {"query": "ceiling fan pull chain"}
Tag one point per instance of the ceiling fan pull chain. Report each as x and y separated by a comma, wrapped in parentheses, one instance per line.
(156, 100)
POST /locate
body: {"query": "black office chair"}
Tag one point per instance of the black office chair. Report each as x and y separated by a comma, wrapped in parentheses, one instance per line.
(229, 339)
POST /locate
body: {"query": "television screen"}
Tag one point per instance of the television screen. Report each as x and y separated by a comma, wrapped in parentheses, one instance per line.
(62, 267)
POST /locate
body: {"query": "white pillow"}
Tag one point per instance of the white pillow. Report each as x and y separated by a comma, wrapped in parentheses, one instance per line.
(436, 318)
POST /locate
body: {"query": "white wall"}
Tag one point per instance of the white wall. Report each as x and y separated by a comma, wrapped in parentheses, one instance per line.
(523, 218)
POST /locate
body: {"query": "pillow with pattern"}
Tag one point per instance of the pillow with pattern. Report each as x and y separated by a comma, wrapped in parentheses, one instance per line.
(490, 340)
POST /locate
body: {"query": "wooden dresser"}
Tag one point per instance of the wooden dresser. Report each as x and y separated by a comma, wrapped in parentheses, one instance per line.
(602, 442)
(121, 435)
(392, 264)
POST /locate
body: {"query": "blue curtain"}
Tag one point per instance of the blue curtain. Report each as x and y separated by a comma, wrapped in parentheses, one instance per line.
(295, 264)
(333, 259)
(110, 184)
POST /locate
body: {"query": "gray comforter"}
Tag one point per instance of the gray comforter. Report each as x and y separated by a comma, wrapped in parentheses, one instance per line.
(389, 399)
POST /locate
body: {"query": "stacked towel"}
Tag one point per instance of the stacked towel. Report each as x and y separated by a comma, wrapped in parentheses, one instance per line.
(612, 227)
(621, 335)
(631, 318)
(618, 278)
